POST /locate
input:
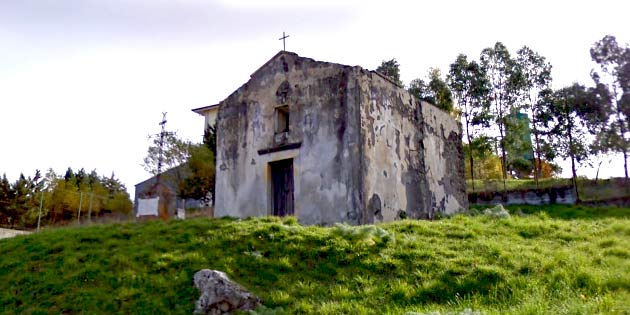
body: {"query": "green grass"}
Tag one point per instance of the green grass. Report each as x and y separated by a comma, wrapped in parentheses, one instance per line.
(563, 260)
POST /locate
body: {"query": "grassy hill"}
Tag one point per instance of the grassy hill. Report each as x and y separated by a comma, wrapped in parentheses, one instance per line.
(564, 260)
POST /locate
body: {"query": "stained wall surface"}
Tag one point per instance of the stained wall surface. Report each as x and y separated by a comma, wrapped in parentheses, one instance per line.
(412, 152)
(443, 159)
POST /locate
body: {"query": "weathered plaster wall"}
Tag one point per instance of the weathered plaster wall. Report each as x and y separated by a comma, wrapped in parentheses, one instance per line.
(412, 152)
(322, 121)
(389, 122)
(443, 162)
(210, 117)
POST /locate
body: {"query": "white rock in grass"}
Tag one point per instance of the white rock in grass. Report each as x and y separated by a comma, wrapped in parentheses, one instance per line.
(497, 212)
(220, 295)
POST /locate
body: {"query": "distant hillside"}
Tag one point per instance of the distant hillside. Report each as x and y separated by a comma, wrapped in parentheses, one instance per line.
(563, 260)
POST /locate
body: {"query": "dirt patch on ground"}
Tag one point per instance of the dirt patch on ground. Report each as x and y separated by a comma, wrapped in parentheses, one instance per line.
(6, 233)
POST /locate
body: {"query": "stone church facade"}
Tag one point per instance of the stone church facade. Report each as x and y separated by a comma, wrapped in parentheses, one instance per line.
(330, 143)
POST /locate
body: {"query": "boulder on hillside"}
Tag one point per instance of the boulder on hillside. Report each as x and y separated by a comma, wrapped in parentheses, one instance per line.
(497, 212)
(220, 295)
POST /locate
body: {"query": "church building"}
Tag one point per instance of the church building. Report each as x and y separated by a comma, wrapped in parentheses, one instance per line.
(329, 143)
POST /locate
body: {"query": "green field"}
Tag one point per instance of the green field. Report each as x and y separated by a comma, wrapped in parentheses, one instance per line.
(560, 260)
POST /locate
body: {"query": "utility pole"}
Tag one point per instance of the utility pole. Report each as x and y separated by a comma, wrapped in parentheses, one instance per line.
(90, 207)
(80, 204)
(162, 139)
(162, 136)
(39, 217)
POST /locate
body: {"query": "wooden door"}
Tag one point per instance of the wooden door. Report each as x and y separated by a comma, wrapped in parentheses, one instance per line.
(282, 187)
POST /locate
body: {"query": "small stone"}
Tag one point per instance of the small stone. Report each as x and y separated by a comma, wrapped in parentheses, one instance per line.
(220, 295)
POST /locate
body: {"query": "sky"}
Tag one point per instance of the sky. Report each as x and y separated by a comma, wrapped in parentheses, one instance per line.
(83, 83)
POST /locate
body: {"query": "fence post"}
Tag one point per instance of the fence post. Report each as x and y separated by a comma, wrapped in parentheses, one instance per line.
(41, 203)
(90, 209)
(80, 204)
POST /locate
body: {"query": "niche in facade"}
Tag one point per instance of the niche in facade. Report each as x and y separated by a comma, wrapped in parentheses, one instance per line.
(282, 119)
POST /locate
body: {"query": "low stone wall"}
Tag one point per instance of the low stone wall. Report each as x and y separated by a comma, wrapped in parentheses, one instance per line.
(6, 233)
(613, 202)
(553, 195)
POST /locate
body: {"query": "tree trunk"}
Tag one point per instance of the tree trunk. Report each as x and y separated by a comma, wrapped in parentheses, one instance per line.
(537, 160)
(470, 151)
(625, 167)
(573, 171)
(503, 158)
(577, 194)
(625, 162)
(536, 140)
(472, 173)
(502, 145)
(597, 174)
(622, 129)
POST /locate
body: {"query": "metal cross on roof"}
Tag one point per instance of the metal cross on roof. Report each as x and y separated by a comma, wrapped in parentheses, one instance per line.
(284, 46)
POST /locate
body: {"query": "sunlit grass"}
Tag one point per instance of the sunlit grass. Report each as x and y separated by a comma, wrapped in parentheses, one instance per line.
(563, 260)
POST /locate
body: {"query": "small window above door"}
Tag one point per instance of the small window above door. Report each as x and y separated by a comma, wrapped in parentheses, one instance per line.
(282, 119)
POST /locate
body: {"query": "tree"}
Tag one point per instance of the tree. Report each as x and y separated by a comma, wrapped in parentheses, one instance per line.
(391, 69)
(614, 62)
(576, 111)
(6, 195)
(536, 83)
(95, 195)
(200, 184)
(21, 197)
(62, 200)
(210, 140)
(191, 166)
(60, 197)
(118, 197)
(201, 164)
(173, 152)
(504, 86)
(487, 164)
(470, 87)
(166, 159)
(518, 144)
(548, 169)
(436, 92)
(419, 89)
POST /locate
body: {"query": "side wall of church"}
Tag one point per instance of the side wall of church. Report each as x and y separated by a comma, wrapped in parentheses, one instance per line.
(443, 162)
(392, 169)
(323, 141)
(413, 161)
